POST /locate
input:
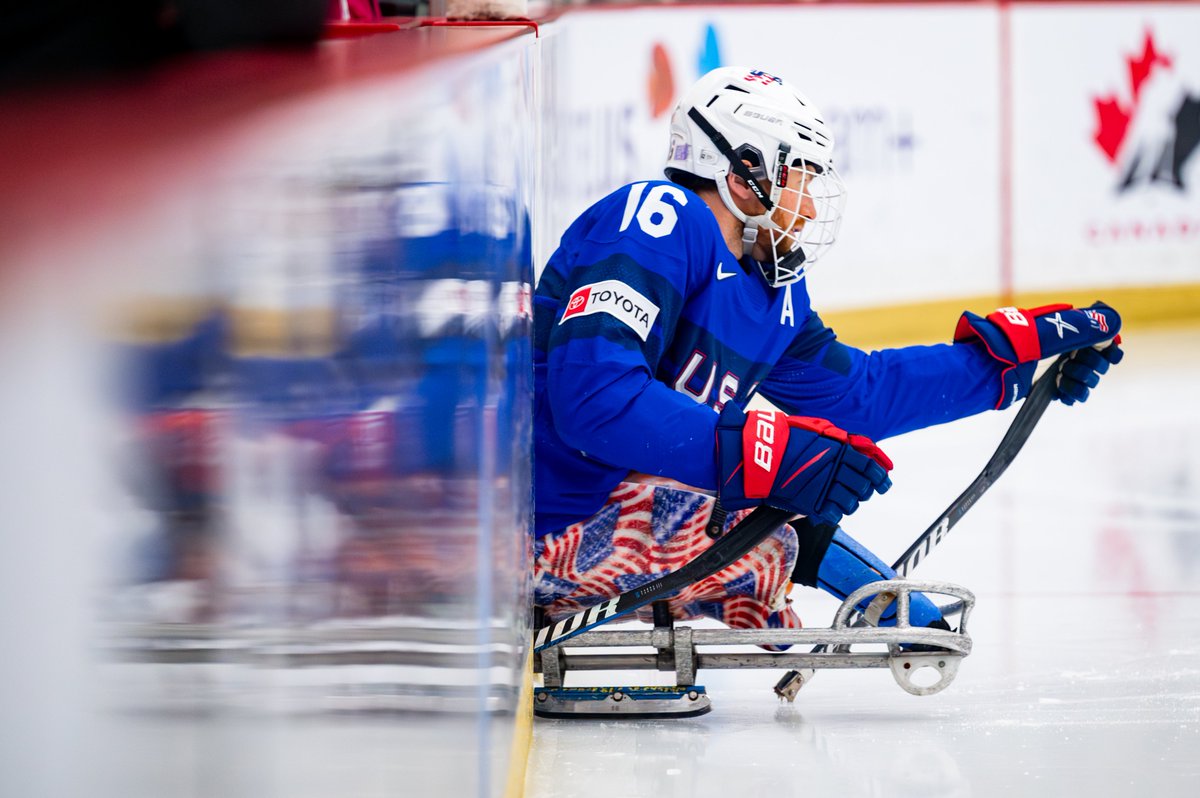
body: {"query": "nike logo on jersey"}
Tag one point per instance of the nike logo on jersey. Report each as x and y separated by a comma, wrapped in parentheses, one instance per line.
(722, 274)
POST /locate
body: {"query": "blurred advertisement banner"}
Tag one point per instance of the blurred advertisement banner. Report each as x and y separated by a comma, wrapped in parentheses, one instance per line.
(1099, 137)
(1106, 126)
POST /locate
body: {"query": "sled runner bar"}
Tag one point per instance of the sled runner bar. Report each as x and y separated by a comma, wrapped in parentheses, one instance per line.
(676, 650)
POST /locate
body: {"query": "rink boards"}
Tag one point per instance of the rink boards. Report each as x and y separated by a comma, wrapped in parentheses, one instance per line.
(320, 271)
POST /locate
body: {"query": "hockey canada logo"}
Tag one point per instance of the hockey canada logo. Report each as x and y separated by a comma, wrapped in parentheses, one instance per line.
(617, 300)
(1149, 129)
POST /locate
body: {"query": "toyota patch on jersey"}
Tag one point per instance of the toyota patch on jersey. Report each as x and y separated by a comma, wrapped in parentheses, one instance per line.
(617, 300)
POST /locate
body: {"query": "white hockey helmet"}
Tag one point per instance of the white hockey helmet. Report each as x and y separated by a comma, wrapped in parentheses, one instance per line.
(736, 114)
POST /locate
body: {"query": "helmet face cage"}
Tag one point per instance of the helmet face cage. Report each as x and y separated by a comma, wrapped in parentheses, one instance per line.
(797, 241)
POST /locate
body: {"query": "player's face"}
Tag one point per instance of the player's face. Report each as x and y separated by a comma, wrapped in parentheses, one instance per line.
(794, 209)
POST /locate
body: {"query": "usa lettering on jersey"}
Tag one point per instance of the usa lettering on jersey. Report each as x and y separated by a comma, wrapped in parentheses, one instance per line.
(727, 391)
(618, 300)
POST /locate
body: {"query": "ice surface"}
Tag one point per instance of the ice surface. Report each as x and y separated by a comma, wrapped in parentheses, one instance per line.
(1085, 676)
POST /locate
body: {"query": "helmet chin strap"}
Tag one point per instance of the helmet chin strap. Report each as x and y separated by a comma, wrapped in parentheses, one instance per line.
(749, 237)
(778, 270)
(751, 222)
(789, 267)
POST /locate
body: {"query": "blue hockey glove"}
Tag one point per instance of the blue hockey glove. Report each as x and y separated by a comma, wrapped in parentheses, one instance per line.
(803, 465)
(1019, 338)
(1082, 372)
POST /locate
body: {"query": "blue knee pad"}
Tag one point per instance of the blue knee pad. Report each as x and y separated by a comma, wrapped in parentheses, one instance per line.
(848, 565)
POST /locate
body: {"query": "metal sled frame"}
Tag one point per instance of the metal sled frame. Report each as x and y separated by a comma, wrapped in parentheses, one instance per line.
(675, 650)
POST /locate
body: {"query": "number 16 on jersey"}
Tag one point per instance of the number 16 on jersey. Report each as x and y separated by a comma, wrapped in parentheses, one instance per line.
(656, 216)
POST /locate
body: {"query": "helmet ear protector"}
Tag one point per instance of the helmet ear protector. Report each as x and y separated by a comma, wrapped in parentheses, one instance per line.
(736, 165)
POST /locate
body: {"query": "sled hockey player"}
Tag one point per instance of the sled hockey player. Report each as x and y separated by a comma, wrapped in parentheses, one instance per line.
(669, 304)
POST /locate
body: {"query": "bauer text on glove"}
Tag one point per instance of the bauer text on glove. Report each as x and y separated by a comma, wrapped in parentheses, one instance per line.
(1019, 338)
(803, 465)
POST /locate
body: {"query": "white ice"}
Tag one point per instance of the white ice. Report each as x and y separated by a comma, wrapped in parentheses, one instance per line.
(1085, 675)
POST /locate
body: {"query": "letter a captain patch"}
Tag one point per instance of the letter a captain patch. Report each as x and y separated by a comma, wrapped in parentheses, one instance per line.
(617, 300)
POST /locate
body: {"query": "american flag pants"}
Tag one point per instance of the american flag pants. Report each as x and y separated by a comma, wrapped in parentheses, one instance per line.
(647, 530)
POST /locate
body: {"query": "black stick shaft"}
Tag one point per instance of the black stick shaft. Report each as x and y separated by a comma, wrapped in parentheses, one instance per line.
(1014, 439)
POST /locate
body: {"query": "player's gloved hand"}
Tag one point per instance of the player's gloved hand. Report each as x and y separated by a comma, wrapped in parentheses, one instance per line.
(1019, 338)
(1082, 372)
(803, 465)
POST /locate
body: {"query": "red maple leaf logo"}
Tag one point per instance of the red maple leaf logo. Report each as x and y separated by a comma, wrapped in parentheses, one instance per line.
(1113, 116)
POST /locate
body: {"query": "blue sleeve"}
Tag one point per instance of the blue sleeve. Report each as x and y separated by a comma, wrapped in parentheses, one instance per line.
(604, 310)
(884, 393)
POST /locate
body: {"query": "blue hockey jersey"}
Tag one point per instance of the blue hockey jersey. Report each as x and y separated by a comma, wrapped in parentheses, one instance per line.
(645, 325)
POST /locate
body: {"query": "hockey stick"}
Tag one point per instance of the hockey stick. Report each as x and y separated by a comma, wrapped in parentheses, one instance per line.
(751, 531)
(1014, 439)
